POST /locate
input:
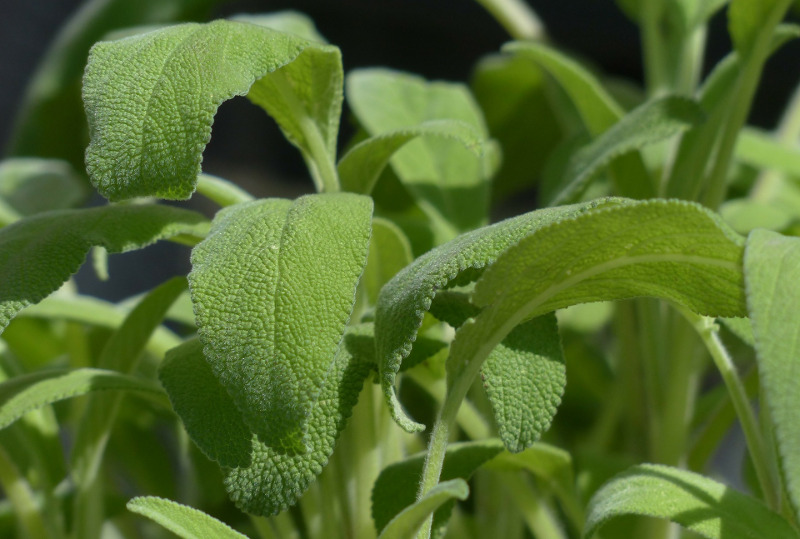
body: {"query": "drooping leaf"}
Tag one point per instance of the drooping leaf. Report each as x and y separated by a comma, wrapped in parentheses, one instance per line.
(273, 287)
(408, 521)
(38, 254)
(652, 122)
(397, 485)
(524, 378)
(673, 250)
(695, 502)
(405, 299)
(186, 522)
(30, 185)
(22, 394)
(152, 146)
(259, 479)
(772, 273)
(439, 171)
(360, 168)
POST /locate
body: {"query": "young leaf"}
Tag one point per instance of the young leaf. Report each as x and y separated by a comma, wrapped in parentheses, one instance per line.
(22, 394)
(672, 250)
(652, 122)
(259, 479)
(38, 254)
(182, 520)
(152, 146)
(30, 185)
(360, 168)
(397, 485)
(440, 172)
(405, 299)
(697, 503)
(273, 287)
(772, 272)
(524, 378)
(408, 521)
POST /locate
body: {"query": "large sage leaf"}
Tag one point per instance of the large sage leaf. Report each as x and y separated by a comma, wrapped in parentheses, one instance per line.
(693, 501)
(772, 274)
(38, 254)
(672, 250)
(448, 178)
(151, 100)
(182, 520)
(273, 287)
(405, 299)
(258, 478)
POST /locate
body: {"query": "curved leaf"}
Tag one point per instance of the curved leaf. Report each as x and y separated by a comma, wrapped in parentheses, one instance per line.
(273, 287)
(405, 299)
(31, 185)
(38, 254)
(360, 168)
(772, 274)
(182, 520)
(22, 394)
(689, 499)
(259, 479)
(152, 144)
(407, 522)
(389, 252)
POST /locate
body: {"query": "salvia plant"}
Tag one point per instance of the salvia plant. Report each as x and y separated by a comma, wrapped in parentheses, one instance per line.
(376, 359)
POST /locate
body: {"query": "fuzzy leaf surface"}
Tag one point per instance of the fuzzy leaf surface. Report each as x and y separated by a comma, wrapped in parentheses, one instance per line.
(405, 299)
(651, 122)
(695, 502)
(273, 287)
(259, 479)
(441, 172)
(673, 250)
(22, 394)
(360, 168)
(772, 274)
(38, 254)
(150, 124)
(397, 485)
(186, 522)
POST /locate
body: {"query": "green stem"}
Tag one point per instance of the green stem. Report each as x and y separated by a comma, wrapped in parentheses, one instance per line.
(221, 191)
(519, 20)
(19, 493)
(538, 516)
(707, 330)
(654, 49)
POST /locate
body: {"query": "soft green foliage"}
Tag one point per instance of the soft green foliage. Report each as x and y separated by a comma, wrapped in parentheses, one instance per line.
(183, 521)
(22, 394)
(389, 252)
(30, 185)
(294, 268)
(412, 517)
(57, 242)
(700, 504)
(747, 18)
(165, 162)
(772, 273)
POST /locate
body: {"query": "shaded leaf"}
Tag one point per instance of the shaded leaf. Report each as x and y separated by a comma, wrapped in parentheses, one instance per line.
(38, 254)
(389, 252)
(689, 499)
(772, 272)
(408, 521)
(290, 22)
(30, 185)
(182, 520)
(747, 20)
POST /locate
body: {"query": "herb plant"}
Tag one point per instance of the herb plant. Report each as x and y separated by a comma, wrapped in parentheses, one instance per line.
(376, 358)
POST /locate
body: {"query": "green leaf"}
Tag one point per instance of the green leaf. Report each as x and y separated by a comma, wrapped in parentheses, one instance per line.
(258, 478)
(290, 22)
(406, 523)
(397, 485)
(152, 146)
(697, 503)
(405, 299)
(673, 250)
(524, 378)
(447, 179)
(651, 122)
(389, 252)
(747, 20)
(273, 287)
(38, 254)
(22, 394)
(772, 271)
(762, 150)
(30, 185)
(182, 520)
(360, 168)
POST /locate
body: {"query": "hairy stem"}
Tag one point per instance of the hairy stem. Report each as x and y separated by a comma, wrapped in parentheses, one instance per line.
(221, 191)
